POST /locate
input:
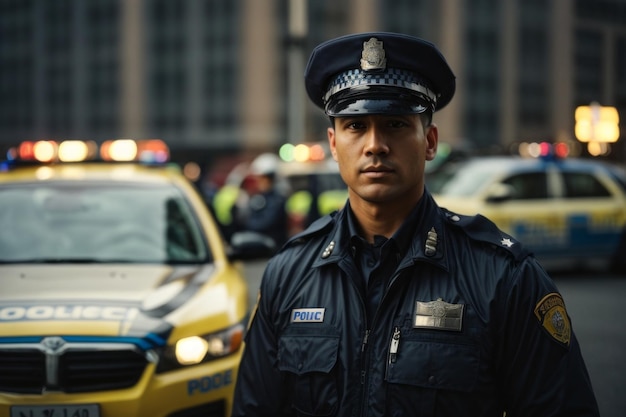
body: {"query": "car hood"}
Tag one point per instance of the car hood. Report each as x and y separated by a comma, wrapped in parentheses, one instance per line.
(460, 205)
(103, 300)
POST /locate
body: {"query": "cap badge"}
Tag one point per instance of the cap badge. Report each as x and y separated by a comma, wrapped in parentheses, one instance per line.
(373, 55)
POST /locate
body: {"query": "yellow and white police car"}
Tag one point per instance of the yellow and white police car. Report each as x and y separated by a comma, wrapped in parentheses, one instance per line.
(570, 212)
(314, 181)
(118, 296)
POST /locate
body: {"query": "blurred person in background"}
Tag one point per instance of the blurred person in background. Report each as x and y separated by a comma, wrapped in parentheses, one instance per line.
(394, 306)
(262, 208)
(227, 196)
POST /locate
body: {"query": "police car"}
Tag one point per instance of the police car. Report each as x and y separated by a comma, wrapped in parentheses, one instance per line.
(570, 212)
(315, 184)
(118, 296)
(316, 190)
(304, 173)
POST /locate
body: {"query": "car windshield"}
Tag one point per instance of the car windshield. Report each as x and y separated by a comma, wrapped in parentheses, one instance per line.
(461, 180)
(619, 175)
(316, 182)
(97, 222)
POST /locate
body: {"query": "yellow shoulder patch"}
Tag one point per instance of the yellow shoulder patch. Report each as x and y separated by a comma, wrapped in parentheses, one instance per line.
(551, 313)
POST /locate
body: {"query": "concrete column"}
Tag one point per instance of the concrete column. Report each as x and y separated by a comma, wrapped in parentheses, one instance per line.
(363, 19)
(132, 69)
(260, 72)
(450, 35)
(296, 94)
(561, 70)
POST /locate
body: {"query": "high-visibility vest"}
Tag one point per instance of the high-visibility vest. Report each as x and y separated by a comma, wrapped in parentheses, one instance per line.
(223, 202)
(299, 203)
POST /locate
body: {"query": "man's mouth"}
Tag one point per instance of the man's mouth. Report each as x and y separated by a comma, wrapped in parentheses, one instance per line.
(377, 171)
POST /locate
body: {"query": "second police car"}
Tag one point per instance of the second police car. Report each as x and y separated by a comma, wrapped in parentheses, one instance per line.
(118, 296)
(569, 211)
(304, 172)
(314, 182)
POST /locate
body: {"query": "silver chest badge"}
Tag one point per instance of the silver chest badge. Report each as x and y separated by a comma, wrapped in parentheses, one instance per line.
(373, 55)
(438, 315)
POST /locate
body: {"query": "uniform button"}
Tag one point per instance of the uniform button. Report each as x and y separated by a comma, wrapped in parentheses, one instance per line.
(300, 365)
(432, 380)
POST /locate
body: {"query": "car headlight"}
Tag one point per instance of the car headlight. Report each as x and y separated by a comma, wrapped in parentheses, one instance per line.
(193, 350)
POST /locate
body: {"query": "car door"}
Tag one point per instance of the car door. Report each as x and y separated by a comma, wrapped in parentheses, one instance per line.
(594, 213)
(530, 212)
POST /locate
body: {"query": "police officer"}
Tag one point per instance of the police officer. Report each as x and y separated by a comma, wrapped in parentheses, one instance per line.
(394, 306)
(264, 210)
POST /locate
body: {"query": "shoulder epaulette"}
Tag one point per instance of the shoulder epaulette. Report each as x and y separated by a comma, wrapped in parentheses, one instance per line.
(482, 229)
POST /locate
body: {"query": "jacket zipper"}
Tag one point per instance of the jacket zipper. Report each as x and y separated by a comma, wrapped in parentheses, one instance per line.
(363, 349)
(395, 343)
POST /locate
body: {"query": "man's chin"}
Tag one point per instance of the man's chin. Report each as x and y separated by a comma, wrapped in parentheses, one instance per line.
(386, 194)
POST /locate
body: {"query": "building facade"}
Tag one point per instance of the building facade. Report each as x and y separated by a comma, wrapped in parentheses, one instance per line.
(225, 76)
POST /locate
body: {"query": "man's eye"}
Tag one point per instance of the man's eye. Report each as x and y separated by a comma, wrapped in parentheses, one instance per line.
(355, 125)
(396, 123)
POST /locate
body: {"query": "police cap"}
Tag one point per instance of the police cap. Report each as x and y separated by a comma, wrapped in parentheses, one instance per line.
(378, 73)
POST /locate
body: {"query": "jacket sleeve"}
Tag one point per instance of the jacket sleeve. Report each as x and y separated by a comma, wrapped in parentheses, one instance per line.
(258, 387)
(539, 360)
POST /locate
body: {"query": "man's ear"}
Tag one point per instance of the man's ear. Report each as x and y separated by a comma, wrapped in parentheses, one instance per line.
(432, 140)
(331, 142)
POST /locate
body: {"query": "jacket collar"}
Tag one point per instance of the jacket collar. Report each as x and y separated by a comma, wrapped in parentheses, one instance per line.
(427, 244)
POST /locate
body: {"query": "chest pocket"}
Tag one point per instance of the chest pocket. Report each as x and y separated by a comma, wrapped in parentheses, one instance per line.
(436, 365)
(307, 356)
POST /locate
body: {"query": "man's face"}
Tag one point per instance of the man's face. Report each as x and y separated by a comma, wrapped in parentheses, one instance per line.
(382, 157)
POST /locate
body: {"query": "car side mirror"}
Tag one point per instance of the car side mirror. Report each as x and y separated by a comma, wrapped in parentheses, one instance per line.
(249, 245)
(499, 193)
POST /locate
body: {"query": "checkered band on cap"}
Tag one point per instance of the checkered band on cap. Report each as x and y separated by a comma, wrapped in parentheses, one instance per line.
(354, 78)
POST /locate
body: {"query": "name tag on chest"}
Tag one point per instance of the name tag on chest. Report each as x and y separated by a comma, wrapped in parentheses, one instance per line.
(307, 315)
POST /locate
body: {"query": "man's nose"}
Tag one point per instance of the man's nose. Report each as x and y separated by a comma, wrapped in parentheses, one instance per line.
(376, 142)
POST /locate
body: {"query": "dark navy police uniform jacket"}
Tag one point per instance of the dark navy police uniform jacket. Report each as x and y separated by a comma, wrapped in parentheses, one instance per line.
(469, 324)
